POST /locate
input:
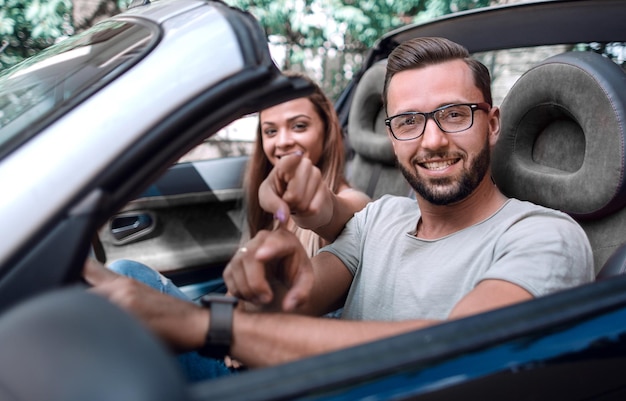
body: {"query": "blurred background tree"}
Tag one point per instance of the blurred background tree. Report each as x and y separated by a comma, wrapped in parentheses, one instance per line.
(326, 39)
(29, 26)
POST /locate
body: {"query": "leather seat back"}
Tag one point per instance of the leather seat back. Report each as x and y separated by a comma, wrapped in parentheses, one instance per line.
(373, 169)
(562, 144)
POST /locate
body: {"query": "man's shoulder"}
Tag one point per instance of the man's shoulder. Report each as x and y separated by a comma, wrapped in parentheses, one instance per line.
(395, 200)
(514, 205)
(388, 208)
(540, 218)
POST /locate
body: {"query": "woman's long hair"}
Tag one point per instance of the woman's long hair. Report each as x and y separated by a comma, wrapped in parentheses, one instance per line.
(331, 165)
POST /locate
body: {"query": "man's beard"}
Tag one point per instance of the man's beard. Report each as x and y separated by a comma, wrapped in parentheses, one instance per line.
(446, 191)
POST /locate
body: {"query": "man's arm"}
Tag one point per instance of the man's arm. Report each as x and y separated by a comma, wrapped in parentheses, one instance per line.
(265, 339)
(489, 294)
(258, 343)
(259, 339)
(262, 339)
(181, 324)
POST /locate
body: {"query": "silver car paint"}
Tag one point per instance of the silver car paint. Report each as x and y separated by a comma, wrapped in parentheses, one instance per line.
(76, 148)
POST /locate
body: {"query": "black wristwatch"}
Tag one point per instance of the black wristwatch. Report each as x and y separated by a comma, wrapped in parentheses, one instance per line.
(220, 334)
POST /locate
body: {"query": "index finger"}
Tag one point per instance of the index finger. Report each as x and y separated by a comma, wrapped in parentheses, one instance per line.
(272, 189)
(270, 199)
(287, 166)
(284, 247)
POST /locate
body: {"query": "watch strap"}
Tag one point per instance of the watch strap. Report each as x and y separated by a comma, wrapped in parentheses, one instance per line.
(220, 333)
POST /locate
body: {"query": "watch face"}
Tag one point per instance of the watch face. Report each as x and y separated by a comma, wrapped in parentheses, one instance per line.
(221, 298)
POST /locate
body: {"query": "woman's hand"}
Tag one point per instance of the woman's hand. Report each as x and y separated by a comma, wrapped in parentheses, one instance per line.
(295, 187)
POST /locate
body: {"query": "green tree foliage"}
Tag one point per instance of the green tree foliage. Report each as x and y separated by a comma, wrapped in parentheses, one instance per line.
(28, 26)
(307, 29)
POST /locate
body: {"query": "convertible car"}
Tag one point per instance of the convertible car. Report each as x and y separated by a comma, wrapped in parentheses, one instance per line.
(92, 136)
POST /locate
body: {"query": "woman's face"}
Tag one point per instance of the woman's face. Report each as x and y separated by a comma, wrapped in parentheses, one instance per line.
(291, 127)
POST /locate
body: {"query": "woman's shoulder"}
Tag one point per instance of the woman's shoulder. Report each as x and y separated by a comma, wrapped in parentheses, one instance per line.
(354, 194)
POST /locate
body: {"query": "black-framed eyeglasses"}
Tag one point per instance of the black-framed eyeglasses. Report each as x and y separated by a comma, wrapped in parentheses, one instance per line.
(450, 119)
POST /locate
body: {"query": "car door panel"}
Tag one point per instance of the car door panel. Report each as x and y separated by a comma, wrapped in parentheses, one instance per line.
(189, 219)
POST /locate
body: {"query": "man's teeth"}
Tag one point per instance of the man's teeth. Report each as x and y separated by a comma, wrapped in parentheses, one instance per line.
(438, 165)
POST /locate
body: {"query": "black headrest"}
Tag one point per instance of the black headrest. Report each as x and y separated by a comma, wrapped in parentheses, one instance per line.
(366, 125)
(563, 135)
(71, 345)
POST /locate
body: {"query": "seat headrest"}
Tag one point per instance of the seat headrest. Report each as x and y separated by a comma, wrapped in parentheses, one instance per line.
(366, 124)
(562, 136)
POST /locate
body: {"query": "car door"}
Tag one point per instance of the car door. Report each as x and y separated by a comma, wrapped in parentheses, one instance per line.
(188, 224)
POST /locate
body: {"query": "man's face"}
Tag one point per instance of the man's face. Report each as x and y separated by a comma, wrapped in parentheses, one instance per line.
(442, 168)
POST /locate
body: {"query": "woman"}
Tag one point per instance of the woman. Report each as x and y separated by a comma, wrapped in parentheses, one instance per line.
(294, 177)
(307, 127)
(300, 139)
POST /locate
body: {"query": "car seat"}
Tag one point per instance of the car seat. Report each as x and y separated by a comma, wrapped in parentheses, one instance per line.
(373, 167)
(615, 265)
(562, 144)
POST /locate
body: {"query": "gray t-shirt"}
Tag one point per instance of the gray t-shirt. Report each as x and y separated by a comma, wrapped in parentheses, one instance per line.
(398, 276)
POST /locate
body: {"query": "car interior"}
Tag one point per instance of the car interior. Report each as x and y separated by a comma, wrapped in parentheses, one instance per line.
(373, 167)
(561, 145)
(187, 224)
(553, 131)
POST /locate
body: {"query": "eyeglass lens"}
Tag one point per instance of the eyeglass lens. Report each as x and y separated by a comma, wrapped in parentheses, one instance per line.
(450, 119)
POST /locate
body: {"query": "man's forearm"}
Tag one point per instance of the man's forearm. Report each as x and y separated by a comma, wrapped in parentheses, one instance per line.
(269, 339)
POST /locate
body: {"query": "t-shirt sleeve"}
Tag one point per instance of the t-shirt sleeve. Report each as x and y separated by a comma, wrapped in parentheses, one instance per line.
(543, 253)
(347, 247)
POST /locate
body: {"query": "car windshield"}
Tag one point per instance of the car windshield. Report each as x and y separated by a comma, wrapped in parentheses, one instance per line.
(65, 74)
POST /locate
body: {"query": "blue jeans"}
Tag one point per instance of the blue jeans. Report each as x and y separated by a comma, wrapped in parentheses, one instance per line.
(195, 366)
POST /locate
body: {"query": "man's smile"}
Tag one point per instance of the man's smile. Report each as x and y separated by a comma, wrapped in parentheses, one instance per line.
(437, 165)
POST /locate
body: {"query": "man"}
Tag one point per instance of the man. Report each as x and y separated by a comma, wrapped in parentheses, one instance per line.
(399, 264)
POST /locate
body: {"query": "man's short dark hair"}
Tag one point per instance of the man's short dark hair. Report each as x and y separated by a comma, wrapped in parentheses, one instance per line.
(421, 52)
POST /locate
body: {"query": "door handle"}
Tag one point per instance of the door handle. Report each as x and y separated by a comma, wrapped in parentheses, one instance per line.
(130, 226)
